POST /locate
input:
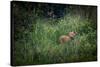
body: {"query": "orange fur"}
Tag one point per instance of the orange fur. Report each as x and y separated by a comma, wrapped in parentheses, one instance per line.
(66, 38)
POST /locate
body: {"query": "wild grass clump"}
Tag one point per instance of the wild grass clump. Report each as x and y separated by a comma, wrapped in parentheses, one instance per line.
(41, 45)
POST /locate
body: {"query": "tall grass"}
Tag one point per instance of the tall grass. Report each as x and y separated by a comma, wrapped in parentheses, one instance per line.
(41, 45)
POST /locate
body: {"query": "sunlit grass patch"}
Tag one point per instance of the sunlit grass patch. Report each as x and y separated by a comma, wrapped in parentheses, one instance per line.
(42, 45)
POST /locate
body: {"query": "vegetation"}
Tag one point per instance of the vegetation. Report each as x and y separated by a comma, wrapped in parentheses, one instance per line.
(36, 35)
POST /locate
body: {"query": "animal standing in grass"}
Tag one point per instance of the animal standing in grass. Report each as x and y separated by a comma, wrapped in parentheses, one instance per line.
(66, 38)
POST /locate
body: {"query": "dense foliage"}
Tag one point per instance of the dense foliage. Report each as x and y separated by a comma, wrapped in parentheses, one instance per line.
(38, 26)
